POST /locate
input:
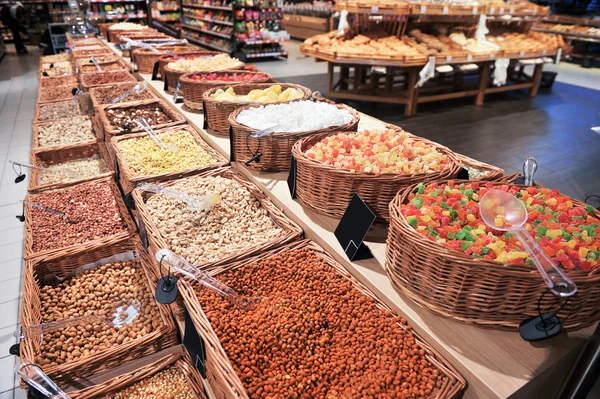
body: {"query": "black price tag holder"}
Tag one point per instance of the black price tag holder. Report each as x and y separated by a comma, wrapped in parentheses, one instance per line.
(544, 325)
(463, 174)
(166, 288)
(176, 98)
(353, 228)
(231, 153)
(166, 85)
(194, 344)
(291, 179)
(143, 232)
(155, 71)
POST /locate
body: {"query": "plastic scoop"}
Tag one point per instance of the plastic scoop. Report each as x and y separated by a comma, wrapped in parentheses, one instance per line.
(95, 61)
(137, 89)
(184, 267)
(76, 94)
(143, 123)
(123, 312)
(33, 375)
(130, 43)
(505, 212)
(49, 210)
(529, 168)
(68, 172)
(196, 204)
(266, 132)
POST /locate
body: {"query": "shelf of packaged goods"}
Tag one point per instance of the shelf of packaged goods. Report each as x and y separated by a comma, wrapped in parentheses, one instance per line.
(210, 21)
(167, 9)
(252, 42)
(166, 19)
(207, 7)
(212, 46)
(122, 16)
(197, 29)
(267, 54)
(117, 1)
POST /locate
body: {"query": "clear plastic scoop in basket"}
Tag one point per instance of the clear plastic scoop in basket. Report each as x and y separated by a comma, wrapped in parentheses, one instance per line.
(184, 267)
(137, 89)
(95, 61)
(49, 210)
(131, 43)
(505, 212)
(67, 172)
(198, 203)
(266, 132)
(123, 312)
(33, 375)
(143, 123)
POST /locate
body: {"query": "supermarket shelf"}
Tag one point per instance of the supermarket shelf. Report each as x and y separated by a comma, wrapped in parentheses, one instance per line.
(167, 9)
(268, 54)
(122, 16)
(213, 21)
(201, 43)
(206, 7)
(197, 29)
(166, 19)
(251, 42)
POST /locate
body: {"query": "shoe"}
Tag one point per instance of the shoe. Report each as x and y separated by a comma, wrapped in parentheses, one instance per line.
(22, 51)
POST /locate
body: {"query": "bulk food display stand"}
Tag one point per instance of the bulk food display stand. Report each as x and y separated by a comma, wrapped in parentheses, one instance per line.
(475, 362)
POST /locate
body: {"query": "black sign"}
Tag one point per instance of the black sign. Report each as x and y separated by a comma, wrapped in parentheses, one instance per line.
(128, 198)
(291, 180)
(231, 153)
(117, 170)
(155, 71)
(194, 344)
(166, 290)
(353, 228)
(143, 232)
(176, 98)
(166, 86)
(205, 124)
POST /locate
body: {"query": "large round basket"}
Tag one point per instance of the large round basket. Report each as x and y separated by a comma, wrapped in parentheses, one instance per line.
(490, 172)
(145, 58)
(479, 291)
(276, 148)
(163, 60)
(114, 35)
(172, 76)
(193, 89)
(216, 112)
(328, 190)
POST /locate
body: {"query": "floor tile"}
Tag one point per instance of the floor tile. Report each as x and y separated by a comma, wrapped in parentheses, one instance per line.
(20, 394)
(10, 290)
(8, 395)
(10, 312)
(9, 222)
(11, 251)
(11, 269)
(7, 380)
(7, 338)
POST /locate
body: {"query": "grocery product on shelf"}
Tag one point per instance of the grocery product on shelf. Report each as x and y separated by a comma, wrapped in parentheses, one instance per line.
(521, 43)
(273, 94)
(62, 132)
(378, 152)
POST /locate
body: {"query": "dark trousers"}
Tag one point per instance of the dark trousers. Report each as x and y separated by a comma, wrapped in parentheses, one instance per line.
(17, 37)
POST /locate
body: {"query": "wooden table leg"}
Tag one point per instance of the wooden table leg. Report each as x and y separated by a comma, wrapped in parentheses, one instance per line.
(411, 92)
(535, 79)
(484, 76)
(330, 68)
(389, 79)
(344, 74)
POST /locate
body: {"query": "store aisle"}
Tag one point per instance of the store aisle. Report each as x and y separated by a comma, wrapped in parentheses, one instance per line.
(18, 93)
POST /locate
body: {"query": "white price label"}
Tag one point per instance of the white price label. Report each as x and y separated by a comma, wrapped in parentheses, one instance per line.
(544, 52)
(374, 10)
(492, 10)
(558, 55)
(448, 58)
(501, 11)
(492, 56)
(423, 9)
(445, 10)
(535, 11)
(427, 72)
(176, 94)
(511, 10)
(475, 9)
(470, 57)
(521, 54)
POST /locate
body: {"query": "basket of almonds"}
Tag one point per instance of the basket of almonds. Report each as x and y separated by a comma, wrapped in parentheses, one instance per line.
(93, 286)
(67, 166)
(93, 79)
(171, 376)
(216, 217)
(296, 297)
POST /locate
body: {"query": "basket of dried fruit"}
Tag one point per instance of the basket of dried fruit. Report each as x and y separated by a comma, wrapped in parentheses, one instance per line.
(67, 166)
(74, 220)
(479, 170)
(331, 168)
(87, 66)
(141, 159)
(52, 81)
(121, 118)
(50, 94)
(93, 284)
(294, 121)
(225, 218)
(103, 95)
(57, 110)
(55, 58)
(194, 84)
(175, 69)
(171, 376)
(298, 296)
(64, 132)
(163, 60)
(145, 58)
(220, 102)
(441, 254)
(93, 79)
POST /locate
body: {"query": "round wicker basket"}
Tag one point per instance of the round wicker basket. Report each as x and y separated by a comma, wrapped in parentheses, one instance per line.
(163, 60)
(478, 291)
(276, 148)
(172, 76)
(193, 89)
(216, 112)
(328, 190)
(145, 58)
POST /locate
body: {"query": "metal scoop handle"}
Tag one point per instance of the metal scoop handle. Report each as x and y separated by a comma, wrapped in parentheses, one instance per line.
(66, 171)
(129, 43)
(192, 203)
(137, 89)
(46, 209)
(266, 132)
(184, 267)
(95, 61)
(33, 375)
(559, 283)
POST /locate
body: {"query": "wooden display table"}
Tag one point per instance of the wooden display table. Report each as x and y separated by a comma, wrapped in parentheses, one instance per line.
(496, 364)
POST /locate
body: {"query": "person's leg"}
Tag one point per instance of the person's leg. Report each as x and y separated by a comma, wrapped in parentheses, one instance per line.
(21, 49)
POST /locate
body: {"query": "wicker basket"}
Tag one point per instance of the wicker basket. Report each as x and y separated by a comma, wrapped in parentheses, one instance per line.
(163, 60)
(193, 89)
(67, 93)
(156, 241)
(35, 142)
(75, 249)
(216, 112)
(172, 76)
(109, 131)
(65, 154)
(114, 35)
(180, 360)
(36, 114)
(96, 97)
(129, 181)
(224, 379)
(493, 173)
(115, 77)
(328, 190)
(276, 148)
(85, 67)
(478, 291)
(36, 271)
(145, 58)
(52, 81)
